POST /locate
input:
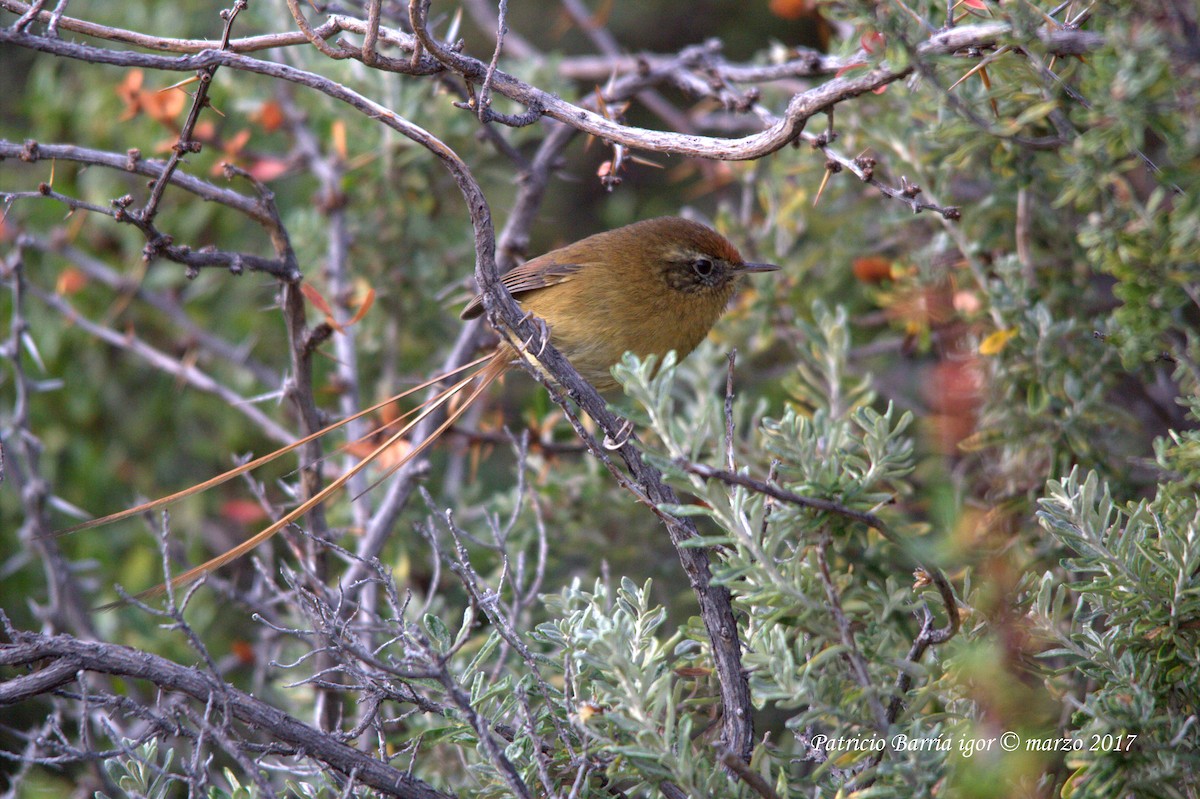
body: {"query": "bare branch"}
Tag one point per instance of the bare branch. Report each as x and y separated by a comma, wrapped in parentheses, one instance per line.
(185, 143)
(800, 108)
(58, 659)
(158, 243)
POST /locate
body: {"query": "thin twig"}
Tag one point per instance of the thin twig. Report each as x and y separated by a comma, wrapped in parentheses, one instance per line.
(67, 609)
(485, 90)
(748, 775)
(185, 144)
(729, 461)
(851, 653)
(62, 657)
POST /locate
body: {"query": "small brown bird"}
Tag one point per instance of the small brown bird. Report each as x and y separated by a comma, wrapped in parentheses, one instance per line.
(647, 288)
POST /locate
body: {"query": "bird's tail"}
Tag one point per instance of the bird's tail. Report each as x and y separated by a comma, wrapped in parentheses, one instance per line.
(472, 386)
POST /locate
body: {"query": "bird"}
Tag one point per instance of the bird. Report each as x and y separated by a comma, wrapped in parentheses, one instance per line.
(650, 287)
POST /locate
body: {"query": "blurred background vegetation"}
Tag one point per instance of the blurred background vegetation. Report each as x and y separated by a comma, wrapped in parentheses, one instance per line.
(1015, 392)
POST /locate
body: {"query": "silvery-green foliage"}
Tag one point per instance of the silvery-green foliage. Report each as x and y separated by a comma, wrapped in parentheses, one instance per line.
(1125, 618)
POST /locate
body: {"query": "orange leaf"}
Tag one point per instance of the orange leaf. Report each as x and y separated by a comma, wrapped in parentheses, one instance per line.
(204, 131)
(386, 459)
(237, 143)
(872, 269)
(161, 106)
(790, 9)
(164, 107)
(129, 90)
(269, 116)
(367, 301)
(70, 281)
(389, 413)
(339, 138)
(316, 299)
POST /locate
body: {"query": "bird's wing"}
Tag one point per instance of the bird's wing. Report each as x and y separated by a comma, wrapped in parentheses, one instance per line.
(531, 276)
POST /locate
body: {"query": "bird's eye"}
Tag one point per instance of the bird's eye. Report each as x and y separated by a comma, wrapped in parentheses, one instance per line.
(703, 267)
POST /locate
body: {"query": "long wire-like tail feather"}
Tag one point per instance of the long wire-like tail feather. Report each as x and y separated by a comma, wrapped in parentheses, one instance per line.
(486, 375)
(495, 367)
(374, 434)
(254, 464)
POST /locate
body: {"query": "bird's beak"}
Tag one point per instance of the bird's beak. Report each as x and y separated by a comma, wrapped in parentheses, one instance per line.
(758, 268)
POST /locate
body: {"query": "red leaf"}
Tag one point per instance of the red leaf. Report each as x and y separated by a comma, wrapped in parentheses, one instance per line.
(243, 511)
(243, 651)
(265, 169)
(873, 42)
(872, 269)
(316, 299)
(790, 9)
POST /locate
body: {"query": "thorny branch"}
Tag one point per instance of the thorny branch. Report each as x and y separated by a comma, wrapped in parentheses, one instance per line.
(57, 659)
(160, 244)
(19, 443)
(186, 144)
(780, 133)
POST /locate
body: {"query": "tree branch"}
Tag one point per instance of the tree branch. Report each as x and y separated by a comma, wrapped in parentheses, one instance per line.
(58, 658)
(800, 108)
